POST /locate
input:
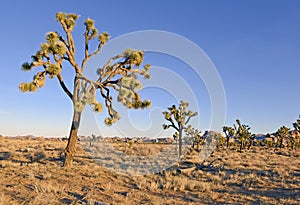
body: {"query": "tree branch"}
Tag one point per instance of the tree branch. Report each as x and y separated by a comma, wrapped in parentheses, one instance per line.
(87, 56)
(70, 47)
(108, 101)
(173, 125)
(188, 120)
(106, 73)
(64, 87)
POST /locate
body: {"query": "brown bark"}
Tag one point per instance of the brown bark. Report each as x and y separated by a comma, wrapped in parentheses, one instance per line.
(180, 141)
(71, 146)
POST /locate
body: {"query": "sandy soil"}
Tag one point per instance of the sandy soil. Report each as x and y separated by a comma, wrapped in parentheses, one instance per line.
(31, 172)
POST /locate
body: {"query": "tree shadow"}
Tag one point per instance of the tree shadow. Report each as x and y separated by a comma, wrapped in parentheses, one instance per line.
(277, 193)
(4, 155)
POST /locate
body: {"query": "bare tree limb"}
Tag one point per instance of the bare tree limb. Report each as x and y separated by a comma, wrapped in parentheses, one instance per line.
(64, 87)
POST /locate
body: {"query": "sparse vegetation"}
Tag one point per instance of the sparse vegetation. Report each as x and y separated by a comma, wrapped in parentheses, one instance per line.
(31, 168)
(258, 176)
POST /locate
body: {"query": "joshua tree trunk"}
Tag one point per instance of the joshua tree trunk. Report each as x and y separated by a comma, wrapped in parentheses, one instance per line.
(242, 144)
(227, 141)
(71, 146)
(180, 141)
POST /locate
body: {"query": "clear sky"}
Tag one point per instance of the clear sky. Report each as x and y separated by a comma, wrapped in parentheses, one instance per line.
(253, 44)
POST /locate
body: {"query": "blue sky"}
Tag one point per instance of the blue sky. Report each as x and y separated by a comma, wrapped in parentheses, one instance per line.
(254, 45)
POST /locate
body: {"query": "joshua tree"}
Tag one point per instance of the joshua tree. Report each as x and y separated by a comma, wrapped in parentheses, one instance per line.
(243, 133)
(119, 74)
(94, 138)
(282, 133)
(229, 133)
(295, 134)
(178, 119)
(296, 125)
(195, 134)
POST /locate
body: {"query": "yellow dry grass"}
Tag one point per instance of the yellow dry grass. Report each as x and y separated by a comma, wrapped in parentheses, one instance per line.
(31, 173)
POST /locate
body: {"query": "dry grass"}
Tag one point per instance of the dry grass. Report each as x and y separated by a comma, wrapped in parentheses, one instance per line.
(31, 173)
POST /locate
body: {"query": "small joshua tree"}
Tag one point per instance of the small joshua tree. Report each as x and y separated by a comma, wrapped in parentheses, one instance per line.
(294, 137)
(282, 133)
(93, 139)
(178, 118)
(119, 74)
(196, 137)
(296, 125)
(229, 133)
(243, 134)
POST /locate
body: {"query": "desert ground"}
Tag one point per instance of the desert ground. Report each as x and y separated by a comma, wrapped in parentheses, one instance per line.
(31, 172)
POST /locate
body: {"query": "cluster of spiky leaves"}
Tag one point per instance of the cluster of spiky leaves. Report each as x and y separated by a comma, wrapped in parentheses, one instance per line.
(128, 95)
(120, 73)
(229, 131)
(283, 132)
(242, 131)
(92, 32)
(178, 117)
(53, 49)
(67, 19)
(38, 82)
(134, 57)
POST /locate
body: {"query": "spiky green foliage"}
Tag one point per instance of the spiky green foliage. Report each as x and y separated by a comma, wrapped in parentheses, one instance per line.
(178, 118)
(28, 87)
(58, 48)
(98, 107)
(26, 66)
(134, 57)
(128, 95)
(109, 121)
(52, 38)
(104, 37)
(53, 69)
(118, 74)
(67, 20)
(91, 31)
(61, 16)
(89, 23)
(243, 134)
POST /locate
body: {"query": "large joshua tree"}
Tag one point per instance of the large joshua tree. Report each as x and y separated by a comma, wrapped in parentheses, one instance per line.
(178, 118)
(119, 74)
